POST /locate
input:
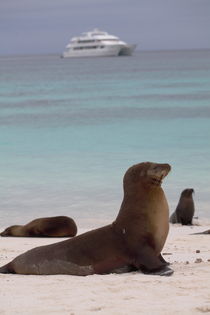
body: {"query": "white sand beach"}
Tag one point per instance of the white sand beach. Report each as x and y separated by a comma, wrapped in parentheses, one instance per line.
(187, 291)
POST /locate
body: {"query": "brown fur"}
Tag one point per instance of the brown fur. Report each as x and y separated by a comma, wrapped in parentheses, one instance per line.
(185, 209)
(59, 226)
(135, 239)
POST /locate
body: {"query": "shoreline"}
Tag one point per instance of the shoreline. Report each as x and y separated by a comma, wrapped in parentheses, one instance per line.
(185, 292)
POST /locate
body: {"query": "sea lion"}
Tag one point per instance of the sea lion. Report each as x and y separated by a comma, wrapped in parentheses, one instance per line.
(135, 239)
(185, 209)
(201, 233)
(60, 226)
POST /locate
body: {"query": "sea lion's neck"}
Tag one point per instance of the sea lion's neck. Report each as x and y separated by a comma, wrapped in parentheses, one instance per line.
(17, 230)
(144, 212)
(138, 199)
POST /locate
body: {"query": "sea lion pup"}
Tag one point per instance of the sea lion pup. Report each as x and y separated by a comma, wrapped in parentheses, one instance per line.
(60, 226)
(135, 239)
(185, 209)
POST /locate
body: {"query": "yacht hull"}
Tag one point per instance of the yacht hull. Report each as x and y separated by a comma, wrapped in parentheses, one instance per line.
(127, 50)
(109, 51)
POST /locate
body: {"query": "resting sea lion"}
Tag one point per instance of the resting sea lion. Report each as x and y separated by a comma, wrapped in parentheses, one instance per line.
(135, 239)
(185, 209)
(59, 226)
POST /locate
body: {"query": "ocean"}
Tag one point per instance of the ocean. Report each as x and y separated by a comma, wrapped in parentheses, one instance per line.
(70, 128)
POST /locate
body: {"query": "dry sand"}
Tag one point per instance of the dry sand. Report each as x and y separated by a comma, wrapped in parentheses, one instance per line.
(187, 291)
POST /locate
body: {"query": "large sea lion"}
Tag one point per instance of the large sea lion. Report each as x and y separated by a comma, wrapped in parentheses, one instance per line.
(60, 226)
(135, 239)
(185, 209)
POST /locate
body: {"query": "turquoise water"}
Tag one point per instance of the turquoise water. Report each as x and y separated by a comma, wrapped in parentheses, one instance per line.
(69, 129)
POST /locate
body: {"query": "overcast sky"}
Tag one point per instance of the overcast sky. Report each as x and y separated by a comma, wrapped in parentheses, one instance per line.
(46, 26)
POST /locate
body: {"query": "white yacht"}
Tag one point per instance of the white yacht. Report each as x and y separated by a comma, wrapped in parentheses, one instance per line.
(97, 43)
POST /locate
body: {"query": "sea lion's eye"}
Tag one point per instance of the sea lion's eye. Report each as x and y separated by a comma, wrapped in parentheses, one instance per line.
(141, 173)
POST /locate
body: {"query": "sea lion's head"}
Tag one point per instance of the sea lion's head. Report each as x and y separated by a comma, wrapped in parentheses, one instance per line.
(146, 173)
(187, 193)
(8, 231)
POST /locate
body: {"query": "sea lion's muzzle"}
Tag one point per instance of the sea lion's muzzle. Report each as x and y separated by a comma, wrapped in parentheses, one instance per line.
(158, 172)
(156, 181)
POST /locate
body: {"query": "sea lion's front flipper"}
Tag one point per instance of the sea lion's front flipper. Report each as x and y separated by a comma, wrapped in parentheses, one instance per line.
(163, 260)
(149, 263)
(165, 271)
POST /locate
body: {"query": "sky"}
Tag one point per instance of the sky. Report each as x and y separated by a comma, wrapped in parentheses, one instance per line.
(46, 26)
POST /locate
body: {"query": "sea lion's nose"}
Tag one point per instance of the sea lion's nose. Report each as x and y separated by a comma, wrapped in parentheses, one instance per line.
(162, 170)
(163, 174)
(167, 166)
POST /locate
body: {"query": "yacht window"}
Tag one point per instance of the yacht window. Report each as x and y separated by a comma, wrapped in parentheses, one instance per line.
(110, 40)
(86, 41)
(87, 47)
